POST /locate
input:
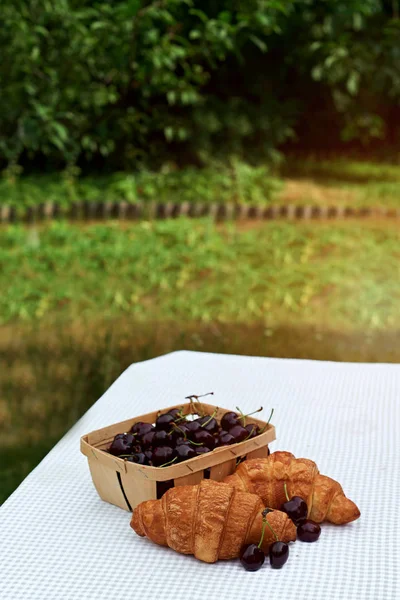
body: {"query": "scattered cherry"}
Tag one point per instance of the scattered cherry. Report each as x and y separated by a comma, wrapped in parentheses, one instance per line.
(308, 531)
(296, 508)
(252, 557)
(278, 554)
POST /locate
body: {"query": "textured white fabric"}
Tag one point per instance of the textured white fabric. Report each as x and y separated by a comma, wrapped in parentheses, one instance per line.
(60, 541)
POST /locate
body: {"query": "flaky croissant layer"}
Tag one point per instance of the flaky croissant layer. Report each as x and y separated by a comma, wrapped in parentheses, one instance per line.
(211, 520)
(266, 477)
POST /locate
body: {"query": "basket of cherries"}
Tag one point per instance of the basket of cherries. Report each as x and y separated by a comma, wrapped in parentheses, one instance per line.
(141, 458)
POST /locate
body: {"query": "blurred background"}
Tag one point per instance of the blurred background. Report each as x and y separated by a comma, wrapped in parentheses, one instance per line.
(240, 102)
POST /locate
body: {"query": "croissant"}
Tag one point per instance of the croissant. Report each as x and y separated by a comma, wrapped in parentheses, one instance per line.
(211, 520)
(266, 478)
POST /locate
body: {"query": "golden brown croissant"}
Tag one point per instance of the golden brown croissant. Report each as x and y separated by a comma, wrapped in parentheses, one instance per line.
(266, 478)
(210, 520)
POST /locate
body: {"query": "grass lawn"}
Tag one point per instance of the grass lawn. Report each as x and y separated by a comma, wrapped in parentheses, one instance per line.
(196, 271)
(79, 304)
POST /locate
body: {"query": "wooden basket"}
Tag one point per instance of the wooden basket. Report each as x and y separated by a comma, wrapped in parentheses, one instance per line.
(126, 484)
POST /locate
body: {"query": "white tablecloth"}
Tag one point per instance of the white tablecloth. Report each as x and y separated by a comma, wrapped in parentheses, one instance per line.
(60, 541)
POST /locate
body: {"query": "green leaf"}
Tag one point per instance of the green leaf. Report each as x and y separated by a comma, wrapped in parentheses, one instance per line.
(61, 130)
(353, 83)
(169, 133)
(259, 43)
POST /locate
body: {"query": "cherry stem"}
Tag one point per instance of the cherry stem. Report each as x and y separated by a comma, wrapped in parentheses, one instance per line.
(250, 433)
(242, 416)
(286, 492)
(169, 463)
(265, 522)
(181, 430)
(272, 529)
(194, 443)
(190, 398)
(267, 423)
(197, 397)
(211, 417)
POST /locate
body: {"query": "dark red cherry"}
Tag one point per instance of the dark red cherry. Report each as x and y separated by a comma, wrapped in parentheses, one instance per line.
(147, 439)
(238, 433)
(209, 424)
(192, 426)
(205, 438)
(163, 422)
(225, 439)
(178, 431)
(161, 438)
(252, 429)
(278, 554)
(138, 458)
(296, 509)
(175, 412)
(184, 452)
(162, 455)
(203, 419)
(229, 420)
(252, 557)
(122, 444)
(201, 450)
(181, 440)
(149, 455)
(308, 531)
(140, 429)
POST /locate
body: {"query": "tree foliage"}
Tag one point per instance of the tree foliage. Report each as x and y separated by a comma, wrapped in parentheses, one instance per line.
(135, 81)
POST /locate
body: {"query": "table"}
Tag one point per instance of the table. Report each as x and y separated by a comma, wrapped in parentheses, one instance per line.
(60, 541)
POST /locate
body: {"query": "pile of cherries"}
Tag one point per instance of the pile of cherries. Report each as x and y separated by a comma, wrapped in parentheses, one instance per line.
(252, 556)
(174, 438)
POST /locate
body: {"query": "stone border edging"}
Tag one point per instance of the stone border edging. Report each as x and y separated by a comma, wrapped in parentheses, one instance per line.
(88, 211)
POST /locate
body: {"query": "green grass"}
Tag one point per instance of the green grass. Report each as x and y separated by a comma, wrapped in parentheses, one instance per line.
(196, 271)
